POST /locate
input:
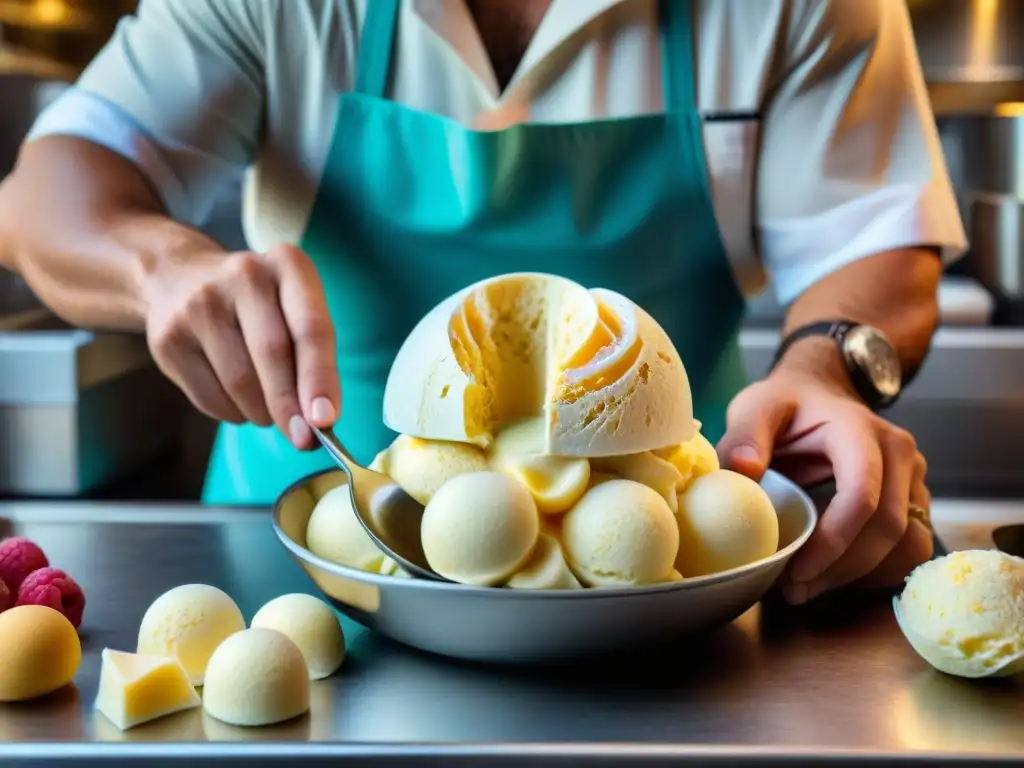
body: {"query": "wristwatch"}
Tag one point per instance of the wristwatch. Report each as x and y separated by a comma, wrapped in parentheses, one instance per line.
(870, 358)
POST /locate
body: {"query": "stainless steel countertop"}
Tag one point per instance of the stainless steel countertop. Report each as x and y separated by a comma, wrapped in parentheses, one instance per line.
(777, 687)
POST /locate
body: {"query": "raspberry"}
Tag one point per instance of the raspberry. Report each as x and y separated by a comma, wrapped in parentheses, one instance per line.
(6, 598)
(18, 558)
(54, 589)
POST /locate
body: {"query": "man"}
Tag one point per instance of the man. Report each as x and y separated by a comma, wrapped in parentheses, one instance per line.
(676, 151)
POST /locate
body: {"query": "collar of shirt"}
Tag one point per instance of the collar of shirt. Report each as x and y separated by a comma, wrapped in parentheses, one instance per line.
(453, 23)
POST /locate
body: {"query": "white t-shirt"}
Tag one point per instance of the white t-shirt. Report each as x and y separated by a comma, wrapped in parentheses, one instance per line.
(820, 142)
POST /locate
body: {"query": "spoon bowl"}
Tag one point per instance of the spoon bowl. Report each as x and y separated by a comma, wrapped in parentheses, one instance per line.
(390, 516)
(938, 658)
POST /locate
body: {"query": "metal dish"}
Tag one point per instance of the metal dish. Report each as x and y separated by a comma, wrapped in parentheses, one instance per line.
(504, 625)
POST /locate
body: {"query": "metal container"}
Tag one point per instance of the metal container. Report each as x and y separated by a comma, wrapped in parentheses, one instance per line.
(985, 157)
(997, 243)
(78, 409)
(984, 153)
(507, 625)
(970, 52)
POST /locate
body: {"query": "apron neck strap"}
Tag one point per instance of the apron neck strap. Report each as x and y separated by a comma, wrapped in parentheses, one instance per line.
(373, 63)
(678, 66)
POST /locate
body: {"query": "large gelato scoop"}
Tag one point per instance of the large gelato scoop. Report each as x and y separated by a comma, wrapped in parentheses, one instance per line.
(964, 613)
(600, 371)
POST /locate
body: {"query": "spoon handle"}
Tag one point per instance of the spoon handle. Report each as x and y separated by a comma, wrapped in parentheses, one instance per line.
(333, 446)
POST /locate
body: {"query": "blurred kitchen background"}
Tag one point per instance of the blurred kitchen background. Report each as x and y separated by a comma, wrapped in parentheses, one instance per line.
(87, 414)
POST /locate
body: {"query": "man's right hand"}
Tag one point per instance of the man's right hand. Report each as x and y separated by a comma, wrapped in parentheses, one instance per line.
(248, 338)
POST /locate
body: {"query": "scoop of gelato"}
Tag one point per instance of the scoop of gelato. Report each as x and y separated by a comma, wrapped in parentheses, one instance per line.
(964, 613)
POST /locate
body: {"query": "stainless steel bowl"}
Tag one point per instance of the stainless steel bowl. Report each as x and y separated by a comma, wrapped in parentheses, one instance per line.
(505, 625)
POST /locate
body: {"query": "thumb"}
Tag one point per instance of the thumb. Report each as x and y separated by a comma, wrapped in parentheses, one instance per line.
(752, 424)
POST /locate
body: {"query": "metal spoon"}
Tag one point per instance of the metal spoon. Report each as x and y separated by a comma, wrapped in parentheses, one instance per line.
(390, 516)
(1008, 666)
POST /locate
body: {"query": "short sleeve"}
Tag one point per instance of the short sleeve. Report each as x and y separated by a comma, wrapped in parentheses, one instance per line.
(179, 90)
(850, 162)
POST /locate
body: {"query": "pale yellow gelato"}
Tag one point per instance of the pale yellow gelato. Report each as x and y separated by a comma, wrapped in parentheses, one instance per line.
(726, 521)
(312, 625)
(188, 623)
(420, 467)
(548, 430)
(256, 677)
(480, 528)
(335, 534)
(647, 469)
(964, 613)
(620, 533)
(692, 459)
(596, 478)
(555, 482)
(602, 373)
(546, 568)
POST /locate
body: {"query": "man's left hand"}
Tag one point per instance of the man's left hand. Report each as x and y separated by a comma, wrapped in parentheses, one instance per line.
(813, 430)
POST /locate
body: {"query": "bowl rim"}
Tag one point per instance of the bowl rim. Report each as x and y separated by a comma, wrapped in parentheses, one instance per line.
(593, 593)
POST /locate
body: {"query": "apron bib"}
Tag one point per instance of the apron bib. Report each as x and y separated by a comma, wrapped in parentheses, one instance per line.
(413, 207)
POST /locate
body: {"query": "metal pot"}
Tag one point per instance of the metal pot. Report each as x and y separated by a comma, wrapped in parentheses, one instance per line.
(997, 243)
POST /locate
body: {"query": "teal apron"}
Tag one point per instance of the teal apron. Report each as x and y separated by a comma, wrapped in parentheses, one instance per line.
(413, 207)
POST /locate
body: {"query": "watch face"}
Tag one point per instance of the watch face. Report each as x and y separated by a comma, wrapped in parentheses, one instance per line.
(868, 348)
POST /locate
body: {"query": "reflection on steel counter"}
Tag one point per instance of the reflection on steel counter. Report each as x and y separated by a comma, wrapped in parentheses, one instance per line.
(780, 686)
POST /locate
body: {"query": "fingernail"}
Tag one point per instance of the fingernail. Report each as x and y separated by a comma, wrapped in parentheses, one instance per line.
(322, 410)
(745, 453)
(795, 594)
(298, 430)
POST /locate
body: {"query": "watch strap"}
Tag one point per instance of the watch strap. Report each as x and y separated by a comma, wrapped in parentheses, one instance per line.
(833, 329)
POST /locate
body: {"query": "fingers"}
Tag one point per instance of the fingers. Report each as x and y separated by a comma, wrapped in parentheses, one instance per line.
(885, 528)
(214, 325)
(191, 372)
(270, 347)
(249, 338)
(304, 307)
(752, 425)
(856, 460)
(890, 544)
(916, 546)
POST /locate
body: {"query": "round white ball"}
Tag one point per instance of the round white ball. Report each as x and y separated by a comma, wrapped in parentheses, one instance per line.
(726, 521)
(188, 623)
(479, 528)
(621, 532)
(312, 625)
(335, 533)
(256, 677)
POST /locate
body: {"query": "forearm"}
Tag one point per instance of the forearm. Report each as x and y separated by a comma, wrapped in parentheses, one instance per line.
(84, 229)
(895, 291)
